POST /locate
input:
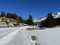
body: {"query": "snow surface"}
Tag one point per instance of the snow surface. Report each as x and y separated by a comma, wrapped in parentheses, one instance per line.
(56, 15)
(39, 20)
(21, 36)
(47, 36)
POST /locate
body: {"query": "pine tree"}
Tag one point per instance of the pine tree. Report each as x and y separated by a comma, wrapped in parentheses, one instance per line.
(8, 15)
(50, 20)
(21, 19)
(30, 20)
(3, 14)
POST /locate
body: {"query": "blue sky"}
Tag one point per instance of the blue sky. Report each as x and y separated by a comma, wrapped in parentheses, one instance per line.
(37, 8)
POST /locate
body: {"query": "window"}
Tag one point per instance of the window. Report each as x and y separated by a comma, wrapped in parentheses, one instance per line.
(2, 18)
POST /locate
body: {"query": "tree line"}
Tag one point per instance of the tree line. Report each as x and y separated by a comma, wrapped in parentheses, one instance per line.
(28, 21)
(50, 21)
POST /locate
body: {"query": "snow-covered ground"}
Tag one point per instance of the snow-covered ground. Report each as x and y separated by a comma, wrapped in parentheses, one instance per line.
(47, 36)
(21, 36)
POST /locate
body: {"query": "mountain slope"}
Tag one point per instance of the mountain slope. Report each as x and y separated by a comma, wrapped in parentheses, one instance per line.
(55, 15)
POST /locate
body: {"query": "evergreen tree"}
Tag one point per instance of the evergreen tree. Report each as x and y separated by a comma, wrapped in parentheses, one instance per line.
(25, 21)
(14, 16)
(58, 21)
(43, 23)
(3, 14)
(8, 15)
(30, 20)
(21, 19)
(50, 20)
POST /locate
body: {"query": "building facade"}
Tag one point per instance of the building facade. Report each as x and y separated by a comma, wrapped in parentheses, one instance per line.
(5, 21)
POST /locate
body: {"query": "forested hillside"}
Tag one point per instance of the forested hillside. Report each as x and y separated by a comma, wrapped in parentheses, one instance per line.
(50, 21)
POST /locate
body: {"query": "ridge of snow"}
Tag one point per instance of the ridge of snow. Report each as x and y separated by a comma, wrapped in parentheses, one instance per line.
(39, 19)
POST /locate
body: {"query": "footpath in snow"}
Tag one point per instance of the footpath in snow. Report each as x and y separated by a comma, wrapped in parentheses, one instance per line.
(48, 36)
(21, 36)
(8, 35)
